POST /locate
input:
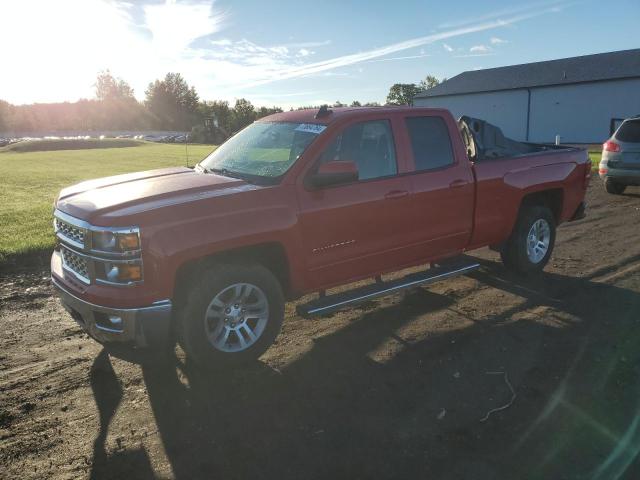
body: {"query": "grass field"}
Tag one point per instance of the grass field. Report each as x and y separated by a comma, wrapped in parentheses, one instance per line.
(595, 159)
(29, 183)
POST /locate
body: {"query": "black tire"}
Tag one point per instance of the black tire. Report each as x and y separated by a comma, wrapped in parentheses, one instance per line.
(204, 288)
(514, 253)
(613, 187)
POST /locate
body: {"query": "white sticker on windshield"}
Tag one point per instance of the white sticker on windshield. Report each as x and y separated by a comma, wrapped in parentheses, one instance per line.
(310, 128)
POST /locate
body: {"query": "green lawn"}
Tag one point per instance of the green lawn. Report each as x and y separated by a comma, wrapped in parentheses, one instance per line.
(595, 158)
(29, 183)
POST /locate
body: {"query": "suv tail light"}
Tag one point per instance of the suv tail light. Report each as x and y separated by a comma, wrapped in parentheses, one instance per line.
(610, 146)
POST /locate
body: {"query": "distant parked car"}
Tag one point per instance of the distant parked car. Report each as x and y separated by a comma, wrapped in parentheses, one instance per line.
(620, 163)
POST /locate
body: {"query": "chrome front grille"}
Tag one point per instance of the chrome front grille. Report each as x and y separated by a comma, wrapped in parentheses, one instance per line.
(93, 266)
(76, 263)
(71, 232)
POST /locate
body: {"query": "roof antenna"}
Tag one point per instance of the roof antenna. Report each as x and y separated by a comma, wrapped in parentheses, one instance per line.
(186, 142)
(323, 111)
(186, 148)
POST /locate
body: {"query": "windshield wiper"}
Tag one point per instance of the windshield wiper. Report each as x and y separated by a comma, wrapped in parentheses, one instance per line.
(226, 173)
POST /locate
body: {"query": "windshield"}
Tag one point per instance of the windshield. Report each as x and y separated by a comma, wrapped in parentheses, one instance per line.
(263, 149)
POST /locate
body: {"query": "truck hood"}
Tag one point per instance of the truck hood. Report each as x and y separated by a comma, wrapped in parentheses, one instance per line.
(105, 201)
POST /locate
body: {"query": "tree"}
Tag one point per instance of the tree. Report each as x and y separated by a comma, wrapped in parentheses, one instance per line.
(356, 103)
(265, 111)
(429, 82)
(217, 119)
(173, 102)
(243, 114)
(5, 121)
(110, 88)
(402, 93)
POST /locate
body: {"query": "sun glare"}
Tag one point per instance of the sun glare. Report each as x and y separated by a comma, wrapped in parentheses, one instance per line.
(58, 49)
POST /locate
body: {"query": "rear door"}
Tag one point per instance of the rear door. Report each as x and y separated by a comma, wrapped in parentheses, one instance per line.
(355, 230)
(442, 186)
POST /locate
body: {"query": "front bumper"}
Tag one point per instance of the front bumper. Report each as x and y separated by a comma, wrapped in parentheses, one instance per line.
(143, 327)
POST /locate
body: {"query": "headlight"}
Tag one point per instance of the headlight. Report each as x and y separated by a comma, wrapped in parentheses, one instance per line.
(116, 241)
(118, 272)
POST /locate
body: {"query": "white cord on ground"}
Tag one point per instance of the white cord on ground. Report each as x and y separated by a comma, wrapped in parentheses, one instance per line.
(513, 398)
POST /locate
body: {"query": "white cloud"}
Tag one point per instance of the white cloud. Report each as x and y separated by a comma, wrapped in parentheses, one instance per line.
(535, 8)
(497, 41)
(407, 57)
(471, 55)
(447, 47)
(479, 49)
(322, 43)
(174, 26)
(224, 42)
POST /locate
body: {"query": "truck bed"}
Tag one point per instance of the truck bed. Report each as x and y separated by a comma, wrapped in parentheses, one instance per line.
(486, 141)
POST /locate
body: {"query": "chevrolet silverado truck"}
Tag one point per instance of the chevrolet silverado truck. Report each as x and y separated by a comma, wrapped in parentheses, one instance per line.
(296, 203)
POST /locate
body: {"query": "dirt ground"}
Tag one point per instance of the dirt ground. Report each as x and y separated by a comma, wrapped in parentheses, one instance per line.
(398, 388)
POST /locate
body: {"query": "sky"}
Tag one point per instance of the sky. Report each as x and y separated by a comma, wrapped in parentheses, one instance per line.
(290, 53)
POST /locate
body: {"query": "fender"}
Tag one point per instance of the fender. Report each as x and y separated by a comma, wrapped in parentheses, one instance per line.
(203, 233)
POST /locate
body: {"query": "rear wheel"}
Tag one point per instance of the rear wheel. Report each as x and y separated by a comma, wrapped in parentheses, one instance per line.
(613, 187)
(233, 314)
(529, 247)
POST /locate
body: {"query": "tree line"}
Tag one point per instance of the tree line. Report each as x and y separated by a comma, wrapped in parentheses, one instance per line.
(170, 104)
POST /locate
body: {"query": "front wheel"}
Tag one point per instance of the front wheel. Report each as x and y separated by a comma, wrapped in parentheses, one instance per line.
(529, 247)
(233, 314)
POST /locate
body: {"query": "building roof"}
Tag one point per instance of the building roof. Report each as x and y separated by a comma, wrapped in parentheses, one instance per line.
(565, 71)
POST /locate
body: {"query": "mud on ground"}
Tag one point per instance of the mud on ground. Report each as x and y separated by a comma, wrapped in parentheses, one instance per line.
(394, 389)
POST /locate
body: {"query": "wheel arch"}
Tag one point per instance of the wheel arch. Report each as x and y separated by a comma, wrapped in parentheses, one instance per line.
(271, 255)
(552, 198)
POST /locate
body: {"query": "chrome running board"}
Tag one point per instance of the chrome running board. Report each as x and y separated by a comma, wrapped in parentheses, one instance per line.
(331, 303)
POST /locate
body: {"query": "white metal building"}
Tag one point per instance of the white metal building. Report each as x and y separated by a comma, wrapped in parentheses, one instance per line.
(578, 98)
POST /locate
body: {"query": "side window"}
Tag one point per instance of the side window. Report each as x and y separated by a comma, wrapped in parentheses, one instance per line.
(368, 144)
(430, 142)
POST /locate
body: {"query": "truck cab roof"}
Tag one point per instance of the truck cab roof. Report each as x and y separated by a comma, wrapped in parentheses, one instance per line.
(333, 114)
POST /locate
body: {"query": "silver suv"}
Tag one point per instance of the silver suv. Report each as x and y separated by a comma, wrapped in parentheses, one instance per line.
(620, 163)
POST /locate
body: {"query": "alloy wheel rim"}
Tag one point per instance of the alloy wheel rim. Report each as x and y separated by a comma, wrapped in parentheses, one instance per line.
(236, 317)
(538, 240)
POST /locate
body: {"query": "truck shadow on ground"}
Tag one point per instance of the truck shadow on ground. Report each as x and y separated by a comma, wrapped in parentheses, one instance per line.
(369, 402)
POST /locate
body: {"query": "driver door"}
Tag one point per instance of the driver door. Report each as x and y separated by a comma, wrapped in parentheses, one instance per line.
(356, 230)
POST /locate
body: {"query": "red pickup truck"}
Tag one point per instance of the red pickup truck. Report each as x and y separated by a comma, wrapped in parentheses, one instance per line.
(299, 202)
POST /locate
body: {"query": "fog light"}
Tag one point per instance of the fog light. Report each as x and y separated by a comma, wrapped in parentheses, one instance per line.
(123, 272)
(115, 320)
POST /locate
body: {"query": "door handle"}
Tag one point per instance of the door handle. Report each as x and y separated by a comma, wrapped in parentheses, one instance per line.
(395, 194)
(458, 183)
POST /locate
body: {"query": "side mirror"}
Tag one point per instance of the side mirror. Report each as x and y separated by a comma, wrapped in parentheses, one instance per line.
(335, 173)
